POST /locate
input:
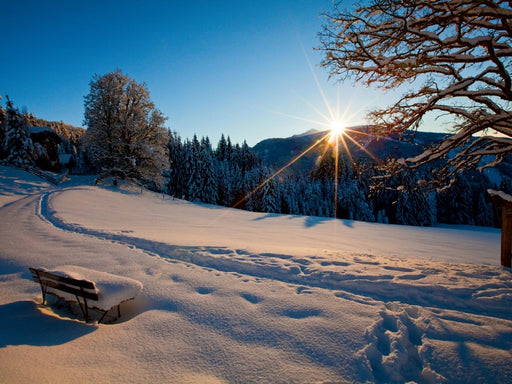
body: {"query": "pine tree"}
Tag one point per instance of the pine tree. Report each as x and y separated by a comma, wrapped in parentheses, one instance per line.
(247, 159)
(312, 199)
(290, 192)
(414, 205)
(221, 153)
(227, 178)
(485, 214)
(3, 133)
(18, 143)
(175, 176)
(268, 192)
(208, 173)
(192, 161)
(455, 204)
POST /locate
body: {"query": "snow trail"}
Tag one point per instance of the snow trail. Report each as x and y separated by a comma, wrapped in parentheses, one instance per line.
(386, 281)
(284, 307)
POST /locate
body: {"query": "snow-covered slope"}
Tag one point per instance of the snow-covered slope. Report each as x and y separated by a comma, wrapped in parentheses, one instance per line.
(231, 296)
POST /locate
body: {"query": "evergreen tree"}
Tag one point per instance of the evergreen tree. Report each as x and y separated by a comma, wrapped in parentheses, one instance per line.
(175, 175)
(415, 206)
(485, 213)
(17, 141)
(221, 153)
(247, 158)
(455, 205)
(268, 192)
(208, 173)
(229, 150)
(228, 180)
(290, 194)
(3, 133)
(193, 167)
(312, 199)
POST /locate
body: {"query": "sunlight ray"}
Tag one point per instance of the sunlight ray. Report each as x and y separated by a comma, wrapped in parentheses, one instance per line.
(347, 149)
(362, 148)
(320, 89)
(317, 110)
(280, 170)
(324, 124)
(337, 123)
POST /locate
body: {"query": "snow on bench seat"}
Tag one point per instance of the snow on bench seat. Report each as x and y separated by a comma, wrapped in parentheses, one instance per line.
(112, 290)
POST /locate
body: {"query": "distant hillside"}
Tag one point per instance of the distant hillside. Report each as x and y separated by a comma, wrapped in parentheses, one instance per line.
(278, 152)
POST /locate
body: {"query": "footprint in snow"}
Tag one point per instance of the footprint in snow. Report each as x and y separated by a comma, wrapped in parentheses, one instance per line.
(251, 298)
(301, 313)
(395, 341)
(204, 290)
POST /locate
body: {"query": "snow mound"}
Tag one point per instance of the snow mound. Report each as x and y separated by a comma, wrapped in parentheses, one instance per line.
(232, 297)
(112, 289)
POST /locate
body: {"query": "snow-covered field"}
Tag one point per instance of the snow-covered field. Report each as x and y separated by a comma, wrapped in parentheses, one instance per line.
(237, 297)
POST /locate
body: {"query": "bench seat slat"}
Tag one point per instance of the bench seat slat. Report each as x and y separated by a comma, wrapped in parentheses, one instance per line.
(67, 288)
(66, 280)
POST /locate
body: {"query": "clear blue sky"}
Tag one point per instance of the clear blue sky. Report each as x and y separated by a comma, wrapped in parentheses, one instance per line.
(241, 68)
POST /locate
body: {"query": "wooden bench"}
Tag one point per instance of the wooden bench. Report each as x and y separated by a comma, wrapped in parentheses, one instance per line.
(88, 288)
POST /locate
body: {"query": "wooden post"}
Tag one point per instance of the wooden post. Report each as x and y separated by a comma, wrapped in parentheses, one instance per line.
(506, 237)
(503, 205)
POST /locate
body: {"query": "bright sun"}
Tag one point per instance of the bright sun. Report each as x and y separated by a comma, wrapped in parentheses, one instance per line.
(337, 128)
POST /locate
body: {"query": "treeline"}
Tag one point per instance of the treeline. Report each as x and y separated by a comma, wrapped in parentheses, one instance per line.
(232, 175)
(228, 176)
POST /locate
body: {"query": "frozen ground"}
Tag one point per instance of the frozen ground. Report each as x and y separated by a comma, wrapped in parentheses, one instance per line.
(237, 297)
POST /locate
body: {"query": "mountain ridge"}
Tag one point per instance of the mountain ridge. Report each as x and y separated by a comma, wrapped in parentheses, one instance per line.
(278, 152)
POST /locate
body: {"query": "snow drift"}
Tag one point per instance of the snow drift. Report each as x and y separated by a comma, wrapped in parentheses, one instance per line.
(231, 296)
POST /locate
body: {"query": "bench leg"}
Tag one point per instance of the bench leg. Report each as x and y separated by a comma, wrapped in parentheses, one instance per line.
(44, 289)
(104, 314)
(83, 308)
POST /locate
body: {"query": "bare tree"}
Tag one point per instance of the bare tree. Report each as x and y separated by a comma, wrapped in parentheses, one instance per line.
(455, 54)
(126, 137)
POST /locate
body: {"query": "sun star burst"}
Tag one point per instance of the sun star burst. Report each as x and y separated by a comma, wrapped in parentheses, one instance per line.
(337, 128)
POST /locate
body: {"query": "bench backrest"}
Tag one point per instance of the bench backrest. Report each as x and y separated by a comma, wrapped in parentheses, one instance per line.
(67, 284)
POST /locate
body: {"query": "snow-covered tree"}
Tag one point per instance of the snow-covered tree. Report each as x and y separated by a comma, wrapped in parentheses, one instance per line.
(126, 137)
(224, 149)
(457, 54)
(3, 132)
(456, 203)
(175, 176)
(267, 195)
(193, 170)
(415, 206)
(228, 182)
(208, 173)
(484, 211)
(18, 144)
